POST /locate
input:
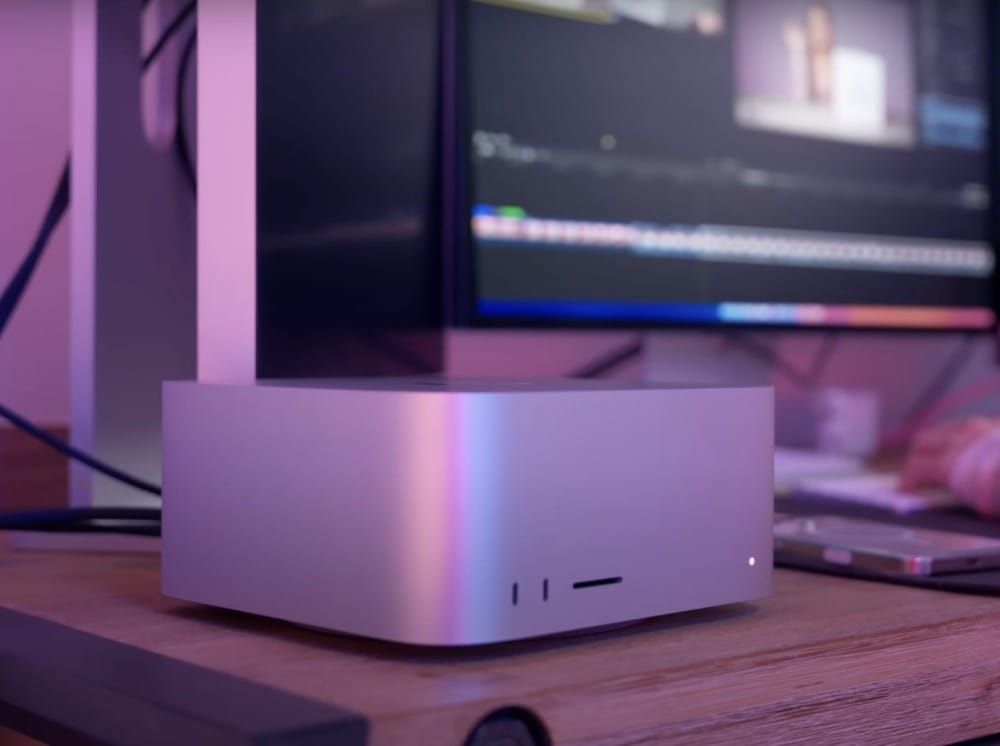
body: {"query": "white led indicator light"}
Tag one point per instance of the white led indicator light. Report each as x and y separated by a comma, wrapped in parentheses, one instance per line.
(752, 561)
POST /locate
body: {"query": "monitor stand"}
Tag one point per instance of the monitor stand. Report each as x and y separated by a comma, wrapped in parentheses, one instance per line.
(132, 261)
(132, 275)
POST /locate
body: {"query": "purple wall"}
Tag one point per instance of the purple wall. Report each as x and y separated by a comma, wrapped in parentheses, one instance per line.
(34, 141)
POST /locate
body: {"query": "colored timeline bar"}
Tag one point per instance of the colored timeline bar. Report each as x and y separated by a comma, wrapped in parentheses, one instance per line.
(767, 314)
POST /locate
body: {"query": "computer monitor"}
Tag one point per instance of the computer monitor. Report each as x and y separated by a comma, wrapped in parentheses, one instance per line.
(817, 163)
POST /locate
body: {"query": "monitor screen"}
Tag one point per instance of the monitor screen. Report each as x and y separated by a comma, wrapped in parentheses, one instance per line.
(750, 162)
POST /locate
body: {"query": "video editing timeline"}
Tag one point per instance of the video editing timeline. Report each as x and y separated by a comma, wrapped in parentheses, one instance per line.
(681, 154)
(509, 224)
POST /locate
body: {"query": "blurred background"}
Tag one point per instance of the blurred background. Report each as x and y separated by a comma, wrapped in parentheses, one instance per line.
(838, 391)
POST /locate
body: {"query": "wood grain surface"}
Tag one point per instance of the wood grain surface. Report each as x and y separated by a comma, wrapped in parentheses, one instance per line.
(825, 660)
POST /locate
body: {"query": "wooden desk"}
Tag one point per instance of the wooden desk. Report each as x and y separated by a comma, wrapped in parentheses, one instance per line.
(825, 660)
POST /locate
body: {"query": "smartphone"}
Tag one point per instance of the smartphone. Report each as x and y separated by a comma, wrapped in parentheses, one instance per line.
(881, 548)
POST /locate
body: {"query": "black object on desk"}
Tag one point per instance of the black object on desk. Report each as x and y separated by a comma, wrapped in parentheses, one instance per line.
(59, 685)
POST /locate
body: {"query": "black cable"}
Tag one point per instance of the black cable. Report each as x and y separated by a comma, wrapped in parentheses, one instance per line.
(130, 529)
(822, 359)
(9, 301)
(8, 304)
(611, 360)
(183, 145)
(136, 521)
(945, 377)
(67, 450)
(807, 379)
(168, 34)
(15, 289)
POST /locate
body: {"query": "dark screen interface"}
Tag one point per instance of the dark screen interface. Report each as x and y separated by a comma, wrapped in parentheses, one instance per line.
(784, 162)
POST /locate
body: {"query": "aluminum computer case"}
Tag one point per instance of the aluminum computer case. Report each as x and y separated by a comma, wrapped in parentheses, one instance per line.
(466, 512)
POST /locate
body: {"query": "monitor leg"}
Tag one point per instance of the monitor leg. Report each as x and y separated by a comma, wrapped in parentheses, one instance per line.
(132, 260)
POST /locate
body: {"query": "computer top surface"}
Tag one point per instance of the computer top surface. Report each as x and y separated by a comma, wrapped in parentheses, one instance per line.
(483, 385)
